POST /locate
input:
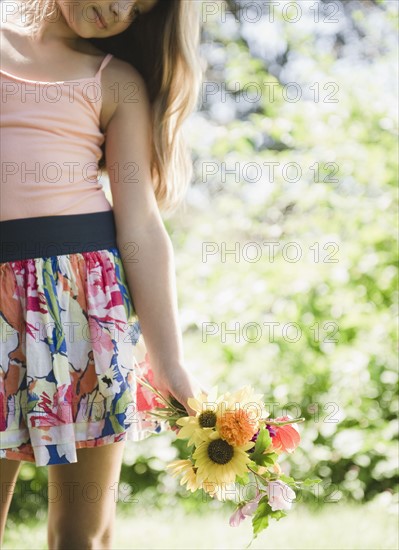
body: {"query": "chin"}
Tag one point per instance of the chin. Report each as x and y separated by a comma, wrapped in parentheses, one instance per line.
(90, 34)
(89, 31)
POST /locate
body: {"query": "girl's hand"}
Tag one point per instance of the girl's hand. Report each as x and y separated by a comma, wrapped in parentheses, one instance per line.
(179, 384)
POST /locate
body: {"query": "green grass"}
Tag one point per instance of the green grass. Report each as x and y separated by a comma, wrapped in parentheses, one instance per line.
(335, 527)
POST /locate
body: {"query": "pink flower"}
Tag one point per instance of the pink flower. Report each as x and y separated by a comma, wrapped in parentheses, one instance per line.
(287, 437)
(280, 495)
(247, 510)
(236, 518)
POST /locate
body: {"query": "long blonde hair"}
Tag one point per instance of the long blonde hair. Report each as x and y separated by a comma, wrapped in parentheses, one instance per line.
(163, 45)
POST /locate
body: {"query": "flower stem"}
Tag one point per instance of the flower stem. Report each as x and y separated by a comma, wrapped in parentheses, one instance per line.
(257, 475)
(282, 422)
(154, 390)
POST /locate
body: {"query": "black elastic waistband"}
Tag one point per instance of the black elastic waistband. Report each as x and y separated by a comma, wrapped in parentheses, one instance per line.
(47, 236)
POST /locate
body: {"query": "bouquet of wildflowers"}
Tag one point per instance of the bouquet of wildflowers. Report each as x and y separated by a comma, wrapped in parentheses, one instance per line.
(235, 452)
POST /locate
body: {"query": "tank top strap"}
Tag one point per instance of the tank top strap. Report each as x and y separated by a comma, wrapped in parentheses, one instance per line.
(104, 63)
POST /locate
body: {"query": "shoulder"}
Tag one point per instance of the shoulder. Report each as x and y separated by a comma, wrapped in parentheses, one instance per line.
(123, 87)
(121, 71)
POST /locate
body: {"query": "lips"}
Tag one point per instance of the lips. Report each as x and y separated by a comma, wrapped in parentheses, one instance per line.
(100, 21)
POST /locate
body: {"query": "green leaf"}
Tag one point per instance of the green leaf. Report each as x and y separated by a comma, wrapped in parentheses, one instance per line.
(269, 458)
(272, 455)
(308, 482)
(265, 460)
(287, 479)
(244, 479)
(277, 514)
(260, 520)
(263, 441)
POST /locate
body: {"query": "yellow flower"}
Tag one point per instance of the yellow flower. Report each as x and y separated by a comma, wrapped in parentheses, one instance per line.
(189, 478)
(246, 400)
(218, 461)
(185, 467)
(227, 491)
(206, 407)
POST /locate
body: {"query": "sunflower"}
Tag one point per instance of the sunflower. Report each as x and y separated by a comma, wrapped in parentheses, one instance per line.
(227, 491)
(206, 407)
(218, 461)
(187, 468)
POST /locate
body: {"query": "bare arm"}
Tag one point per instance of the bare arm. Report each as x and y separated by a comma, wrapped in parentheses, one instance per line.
(145, 246)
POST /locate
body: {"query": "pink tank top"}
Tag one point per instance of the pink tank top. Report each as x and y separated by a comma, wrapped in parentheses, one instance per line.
(50, 145)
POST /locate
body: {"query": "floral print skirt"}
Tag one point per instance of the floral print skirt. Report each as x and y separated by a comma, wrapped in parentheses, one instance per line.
(71, 349)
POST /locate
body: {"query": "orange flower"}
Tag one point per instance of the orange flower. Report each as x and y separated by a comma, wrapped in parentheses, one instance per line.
(287, 437)
(236, 427)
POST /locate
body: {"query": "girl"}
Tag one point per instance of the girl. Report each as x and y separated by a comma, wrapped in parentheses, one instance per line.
(87, 83)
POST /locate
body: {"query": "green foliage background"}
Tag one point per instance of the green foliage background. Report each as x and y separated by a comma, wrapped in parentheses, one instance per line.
(336, 362)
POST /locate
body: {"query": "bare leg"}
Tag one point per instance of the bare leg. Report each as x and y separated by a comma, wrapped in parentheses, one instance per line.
(82, 499)
(9, 470)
